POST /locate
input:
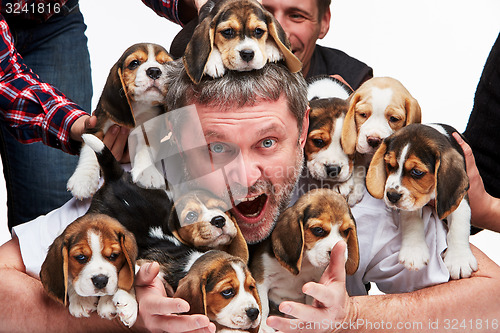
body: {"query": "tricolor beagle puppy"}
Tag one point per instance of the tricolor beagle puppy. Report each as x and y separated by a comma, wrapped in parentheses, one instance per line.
(91, 266)
(236, 35)
(134, 93)
(327, 165)
(220, 286)
(197, 219)
(299, 248)
(418, 164)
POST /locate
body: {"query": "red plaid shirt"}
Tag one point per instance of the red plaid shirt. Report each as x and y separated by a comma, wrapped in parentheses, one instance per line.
(33, 110)
(165, 8)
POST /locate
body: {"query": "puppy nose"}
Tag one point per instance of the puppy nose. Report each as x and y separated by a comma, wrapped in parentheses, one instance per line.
(393, 196)
(100, 281)
(153, 72)
(333, 170)
(252, 313)
(247, 55)
(374, 141)
(218, 221)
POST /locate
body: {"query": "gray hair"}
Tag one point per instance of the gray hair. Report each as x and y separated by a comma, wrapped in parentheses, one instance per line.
(238, 89)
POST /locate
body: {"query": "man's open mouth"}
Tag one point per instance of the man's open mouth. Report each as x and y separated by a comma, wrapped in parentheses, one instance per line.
(251, 208)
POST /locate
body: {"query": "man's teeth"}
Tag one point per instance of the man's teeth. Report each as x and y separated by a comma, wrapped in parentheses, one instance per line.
(249, 199)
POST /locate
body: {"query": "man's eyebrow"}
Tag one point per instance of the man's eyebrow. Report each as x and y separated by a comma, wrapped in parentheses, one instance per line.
(209, 134)
(270, 130)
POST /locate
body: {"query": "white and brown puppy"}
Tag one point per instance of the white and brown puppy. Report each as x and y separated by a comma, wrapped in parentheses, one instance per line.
(327, 165)
(134, 93)
(378, 108)
(416, 165)
(221, 287)
(299, 248)
(236, 35)
(91, 266)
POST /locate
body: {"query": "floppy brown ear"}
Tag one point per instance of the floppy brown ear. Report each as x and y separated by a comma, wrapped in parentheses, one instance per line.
(413, 112)
(352, 263)
(377, 175)
(114, 100)
(199, 48)
(192, 289)
(54, 272)
(127, 272)
(288, 239)
(279, 36)
(349, 132)
(238, 246)
(452, 182)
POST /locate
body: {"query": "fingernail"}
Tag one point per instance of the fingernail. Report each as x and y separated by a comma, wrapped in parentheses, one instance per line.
(115, 129)
(182, 307)
(286, 309)
(124, 130)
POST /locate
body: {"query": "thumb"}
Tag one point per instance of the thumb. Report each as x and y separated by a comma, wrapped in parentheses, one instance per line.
(90, 122)
(146, 274)
(335, 272)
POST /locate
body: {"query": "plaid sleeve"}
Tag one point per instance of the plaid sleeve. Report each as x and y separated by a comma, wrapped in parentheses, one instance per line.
(32, 109)
(165, 8)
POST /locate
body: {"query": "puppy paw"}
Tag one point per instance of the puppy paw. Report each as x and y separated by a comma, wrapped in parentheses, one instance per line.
(273, 52)
(106, 307)
(460, 262)
(148, 178)
(344, 189)
(126, 307)
(414, 257)
(215, 66)
(82, 306)
(84, 183)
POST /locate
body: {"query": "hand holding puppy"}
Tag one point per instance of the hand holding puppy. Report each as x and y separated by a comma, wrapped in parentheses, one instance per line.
(331, 305)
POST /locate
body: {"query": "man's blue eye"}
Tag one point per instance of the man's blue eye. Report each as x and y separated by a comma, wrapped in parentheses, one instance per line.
(217, 148)
(268, 143)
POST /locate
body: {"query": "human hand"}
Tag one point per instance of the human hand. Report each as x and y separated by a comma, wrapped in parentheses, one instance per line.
(116, 140)
(81, 125)
(159, 313)
(331, 305)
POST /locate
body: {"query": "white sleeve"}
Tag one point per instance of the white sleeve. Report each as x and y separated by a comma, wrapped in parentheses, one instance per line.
(36, 236)
(379, 237)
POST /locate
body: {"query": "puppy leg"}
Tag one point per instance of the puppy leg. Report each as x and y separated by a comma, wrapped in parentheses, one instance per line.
(214, 66)
(80, 306)
(358, 185)
(126, 306)
(85, 180)
(273, 53)
(106, 308)
(414, 253)
(458, 258)
(262, 290)
(144, 172)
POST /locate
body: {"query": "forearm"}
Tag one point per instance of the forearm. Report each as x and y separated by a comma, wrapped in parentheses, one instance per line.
(457, 306)
(485, 212)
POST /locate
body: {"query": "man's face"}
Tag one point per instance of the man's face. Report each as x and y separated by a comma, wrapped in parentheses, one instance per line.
(299, 19)
(252, 156)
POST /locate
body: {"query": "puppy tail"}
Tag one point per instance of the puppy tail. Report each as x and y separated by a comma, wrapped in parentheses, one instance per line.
(110, 167)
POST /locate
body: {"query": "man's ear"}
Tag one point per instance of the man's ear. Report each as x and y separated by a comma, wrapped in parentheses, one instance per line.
(305, 128)
(325, 23)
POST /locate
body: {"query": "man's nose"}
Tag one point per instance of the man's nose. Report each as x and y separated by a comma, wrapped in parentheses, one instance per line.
(245, 172)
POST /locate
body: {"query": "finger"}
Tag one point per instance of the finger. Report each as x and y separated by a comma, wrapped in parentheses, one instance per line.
(147, 274)
(110, 136)
(328, 296)
(118, 146)
(173, 323)
(90, 122)
(336, 269)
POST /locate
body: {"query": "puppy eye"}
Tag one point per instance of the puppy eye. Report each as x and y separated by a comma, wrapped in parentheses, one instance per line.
(191, 217)
(133, 64)
(113, 256)
(228, 33)
(362, 115)
(259, 32)
(82, 259)
(319, 143)
(417, 174)
(318, 231)
(393, 119)
(228, 293)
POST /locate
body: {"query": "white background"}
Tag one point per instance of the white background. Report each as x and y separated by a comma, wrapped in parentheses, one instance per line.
(436, 48)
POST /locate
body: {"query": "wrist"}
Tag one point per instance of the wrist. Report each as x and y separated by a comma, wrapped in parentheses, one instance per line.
(351, 316)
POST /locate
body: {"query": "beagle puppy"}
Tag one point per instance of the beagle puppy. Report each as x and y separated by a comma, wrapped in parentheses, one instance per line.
(221, 287)
(239, 35)
(327, 165)
(414, 166)
(197, 219)
(91, 266)
(299, 248)
(134, 93)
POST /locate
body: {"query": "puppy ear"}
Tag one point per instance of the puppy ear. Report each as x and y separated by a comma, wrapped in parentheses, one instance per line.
(54, 272)
(114, 100)
(238, 246)
(198, 49)
(127, 272)
(452, 182)
(377, 175)
(413, 112)
(352, 263)
(192, 289)
(288, 238)
(349, 132)
(279, 36)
